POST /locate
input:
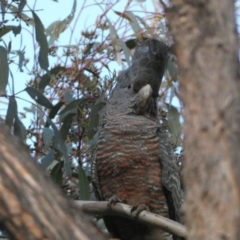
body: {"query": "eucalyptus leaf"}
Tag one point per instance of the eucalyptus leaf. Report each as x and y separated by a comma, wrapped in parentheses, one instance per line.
(56, 173)
(6, 29)
(174, 123)
(42, 41)
(84, 185)
(55, 109)
(38, 97)
(46, 78)
(94, 116)
(47, 137)
(17, 30)
(48, 159)
(61, 147)
(4, 69)
(21, 59)
(73, 105)
(18, 128)
(11, 111)
(3, 8)
(21, 5)
(68, 96)
(67, 123)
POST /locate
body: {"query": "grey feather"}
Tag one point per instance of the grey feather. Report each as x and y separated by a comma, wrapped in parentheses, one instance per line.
(130, 124)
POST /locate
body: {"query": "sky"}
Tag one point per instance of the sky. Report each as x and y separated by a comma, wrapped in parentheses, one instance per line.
(50, 11)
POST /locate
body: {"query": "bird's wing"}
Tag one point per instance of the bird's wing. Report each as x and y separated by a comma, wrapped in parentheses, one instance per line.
(170, 176)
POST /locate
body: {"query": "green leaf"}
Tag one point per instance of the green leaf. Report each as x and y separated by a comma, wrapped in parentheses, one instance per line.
(174, 123)
(47, 137)
(71, 106)
(4, 69)
(18, 128)
(16, 30)
(38, 97)
(61, 147)
(11, 111)
(56, 173)
(171, 88)
(41, 116)
(45, 79)
(55, 109)
(6, 29)
(48, 159)
(21, 59)
(94, 140)
(67, 123)
(21, 5)
(3, 9)
(42, 41)
(83, 184)
(94, 116)
(74, 135)
(68, 96)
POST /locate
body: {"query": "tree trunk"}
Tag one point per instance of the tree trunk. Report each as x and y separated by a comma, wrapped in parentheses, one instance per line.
(31, 206)
(206, 46)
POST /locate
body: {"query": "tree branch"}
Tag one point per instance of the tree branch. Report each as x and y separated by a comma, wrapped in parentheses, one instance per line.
(124, 210)
(206, 45)
(31, 205)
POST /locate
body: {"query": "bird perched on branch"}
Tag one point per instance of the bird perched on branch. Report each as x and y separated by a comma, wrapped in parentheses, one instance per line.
(134, 161)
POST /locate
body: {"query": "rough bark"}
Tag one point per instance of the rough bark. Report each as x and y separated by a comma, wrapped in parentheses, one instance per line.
(206, 46)
(31, 206)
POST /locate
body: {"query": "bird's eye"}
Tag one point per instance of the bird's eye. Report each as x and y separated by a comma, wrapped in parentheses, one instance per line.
(129, 86)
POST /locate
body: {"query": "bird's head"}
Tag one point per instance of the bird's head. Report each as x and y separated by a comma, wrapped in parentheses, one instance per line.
(137, 87)
(148, 65)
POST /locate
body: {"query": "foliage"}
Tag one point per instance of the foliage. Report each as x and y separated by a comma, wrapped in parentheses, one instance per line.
(69, 84)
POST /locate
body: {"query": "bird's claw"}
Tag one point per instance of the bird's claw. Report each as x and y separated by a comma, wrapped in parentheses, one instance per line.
(136, 210)
(112, 201)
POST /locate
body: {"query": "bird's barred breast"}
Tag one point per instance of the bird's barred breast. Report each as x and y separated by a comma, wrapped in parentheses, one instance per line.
(128, 163)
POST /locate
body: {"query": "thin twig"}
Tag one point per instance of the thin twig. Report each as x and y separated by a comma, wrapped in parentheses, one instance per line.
(123, 210)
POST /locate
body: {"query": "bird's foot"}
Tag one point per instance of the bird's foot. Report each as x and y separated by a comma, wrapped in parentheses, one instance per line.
(112, 201)
(136, 210)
